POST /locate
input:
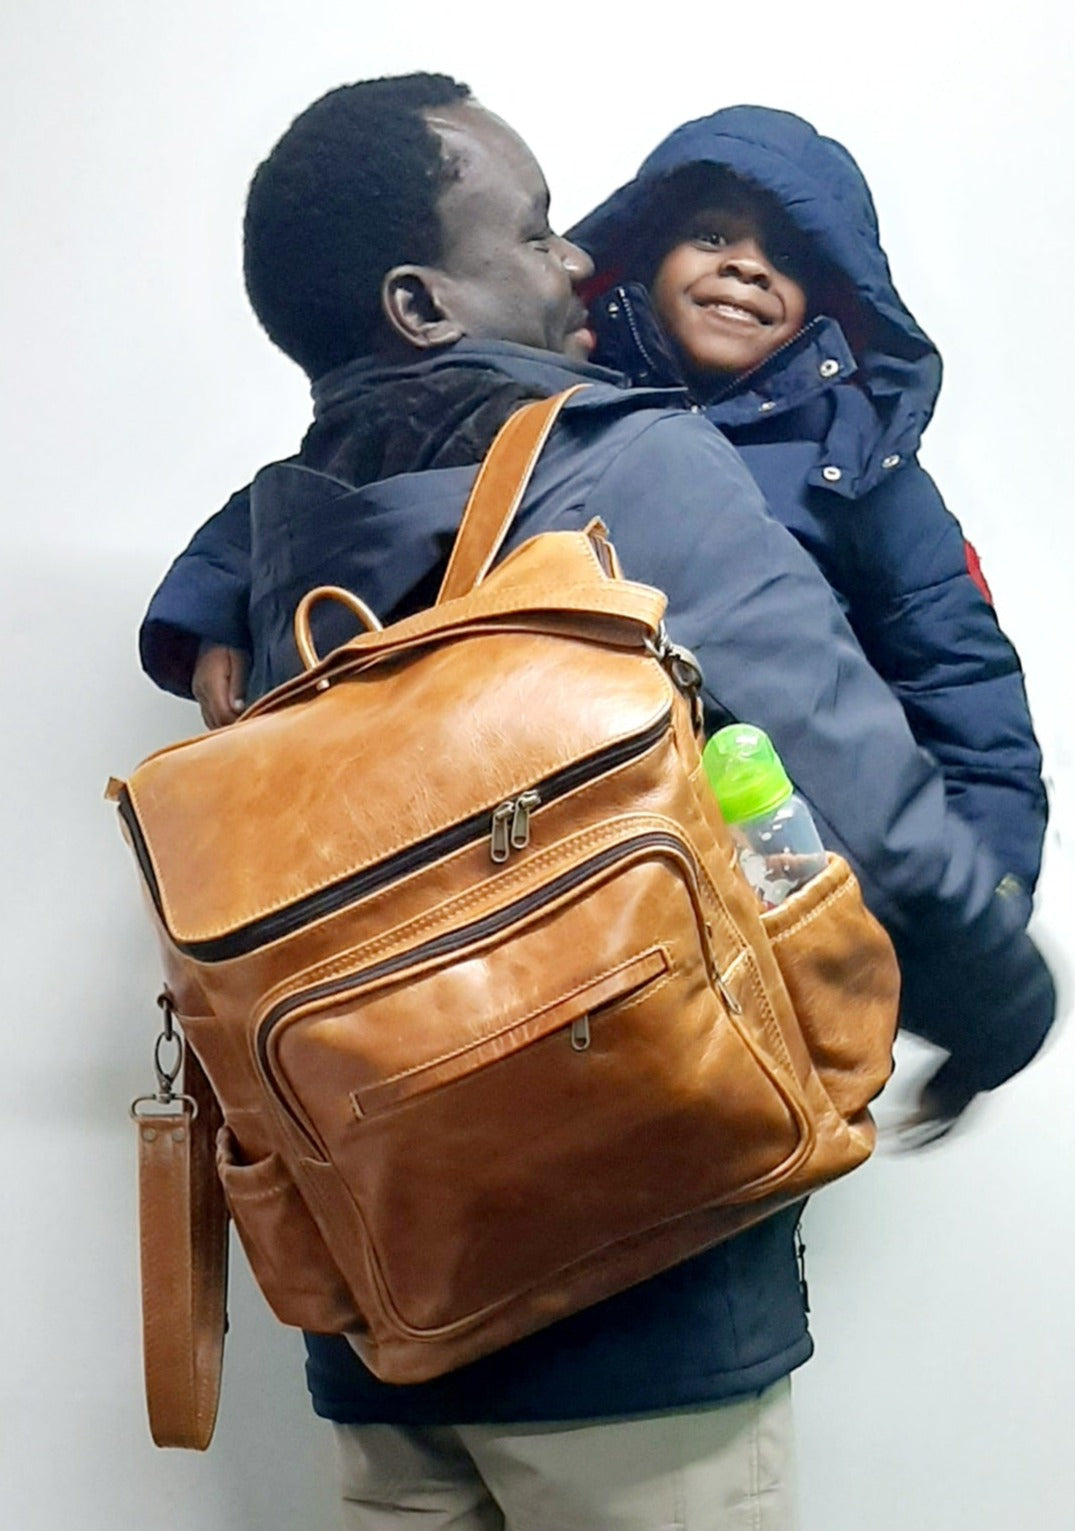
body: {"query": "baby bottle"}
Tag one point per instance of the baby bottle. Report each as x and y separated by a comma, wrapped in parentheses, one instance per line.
(777, 841)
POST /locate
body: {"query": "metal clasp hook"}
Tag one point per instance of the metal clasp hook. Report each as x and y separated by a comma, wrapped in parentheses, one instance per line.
(684, 669)
(167, 1073)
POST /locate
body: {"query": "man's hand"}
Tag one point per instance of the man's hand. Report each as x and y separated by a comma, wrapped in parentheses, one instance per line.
(219, 683)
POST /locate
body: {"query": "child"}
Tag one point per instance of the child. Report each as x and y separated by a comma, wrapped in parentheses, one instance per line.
(744, 261)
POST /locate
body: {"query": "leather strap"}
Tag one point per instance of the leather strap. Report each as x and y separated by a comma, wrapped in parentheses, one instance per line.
(498, 489)
(184, 1257)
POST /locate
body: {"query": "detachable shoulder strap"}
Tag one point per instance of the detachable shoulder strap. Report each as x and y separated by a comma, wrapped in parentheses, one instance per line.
(184, 1257)
(497, 492)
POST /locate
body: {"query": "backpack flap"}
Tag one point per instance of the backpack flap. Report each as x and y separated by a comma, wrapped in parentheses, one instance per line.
(236, 827)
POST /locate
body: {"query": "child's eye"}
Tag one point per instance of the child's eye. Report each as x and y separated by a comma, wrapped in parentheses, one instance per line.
(713, 239)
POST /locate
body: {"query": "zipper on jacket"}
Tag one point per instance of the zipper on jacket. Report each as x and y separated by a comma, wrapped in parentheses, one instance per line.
(737, 383)
(751, 373)
(507, 826)
(636, 333)
(488, 926)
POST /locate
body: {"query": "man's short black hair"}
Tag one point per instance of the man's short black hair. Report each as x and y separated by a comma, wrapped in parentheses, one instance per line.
(350, 191)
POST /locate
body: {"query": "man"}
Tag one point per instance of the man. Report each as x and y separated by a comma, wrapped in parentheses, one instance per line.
(398, 248)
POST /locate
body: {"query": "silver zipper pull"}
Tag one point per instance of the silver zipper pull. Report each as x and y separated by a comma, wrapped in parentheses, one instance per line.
(499, 836)
(520, 824)
(717, 977)
(580, 1033)
(726, 994)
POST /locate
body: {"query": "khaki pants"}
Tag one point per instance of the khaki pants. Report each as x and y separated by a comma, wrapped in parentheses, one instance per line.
(724, 1468)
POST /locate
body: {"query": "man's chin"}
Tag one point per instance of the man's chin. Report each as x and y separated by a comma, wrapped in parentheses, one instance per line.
(580, 344)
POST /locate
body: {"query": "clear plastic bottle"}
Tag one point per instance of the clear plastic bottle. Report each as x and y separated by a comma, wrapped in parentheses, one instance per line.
(778, 843)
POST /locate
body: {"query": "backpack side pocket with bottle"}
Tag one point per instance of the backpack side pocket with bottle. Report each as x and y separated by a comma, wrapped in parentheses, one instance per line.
(814, 917)
(777, 842)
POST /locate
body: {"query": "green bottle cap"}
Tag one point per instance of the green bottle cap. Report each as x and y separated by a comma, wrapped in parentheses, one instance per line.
(745, 772)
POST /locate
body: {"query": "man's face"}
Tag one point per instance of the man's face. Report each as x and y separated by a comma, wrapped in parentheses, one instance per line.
(725, 291)
(507, 275)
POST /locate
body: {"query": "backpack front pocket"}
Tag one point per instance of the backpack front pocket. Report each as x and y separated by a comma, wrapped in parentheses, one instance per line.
(518, 1094)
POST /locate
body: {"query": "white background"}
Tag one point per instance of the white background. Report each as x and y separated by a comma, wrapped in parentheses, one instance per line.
(139, 392)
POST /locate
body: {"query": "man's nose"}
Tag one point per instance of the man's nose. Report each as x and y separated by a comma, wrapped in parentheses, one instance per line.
(577, 263)
(746, 261)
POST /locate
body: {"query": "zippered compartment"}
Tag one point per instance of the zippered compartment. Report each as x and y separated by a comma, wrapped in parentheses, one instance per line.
(510, 1098)
(330, 899)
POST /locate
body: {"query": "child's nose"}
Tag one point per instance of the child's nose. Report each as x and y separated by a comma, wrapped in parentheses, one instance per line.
(746, 261)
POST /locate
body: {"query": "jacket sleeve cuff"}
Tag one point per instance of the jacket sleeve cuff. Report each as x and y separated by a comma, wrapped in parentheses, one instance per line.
(192, 606)
(990, 1010)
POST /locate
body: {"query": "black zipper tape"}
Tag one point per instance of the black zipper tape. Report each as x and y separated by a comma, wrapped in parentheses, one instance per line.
(358, 885)
(466, 936)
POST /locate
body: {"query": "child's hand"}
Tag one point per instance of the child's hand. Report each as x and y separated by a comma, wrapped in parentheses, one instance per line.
(941, 1102)
(219, 683)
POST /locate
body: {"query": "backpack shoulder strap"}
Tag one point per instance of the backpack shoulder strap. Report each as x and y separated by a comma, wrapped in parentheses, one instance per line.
(184, 1259)
(497, 492)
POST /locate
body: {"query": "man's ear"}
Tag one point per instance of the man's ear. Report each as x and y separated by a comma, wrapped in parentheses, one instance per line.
(413, 299)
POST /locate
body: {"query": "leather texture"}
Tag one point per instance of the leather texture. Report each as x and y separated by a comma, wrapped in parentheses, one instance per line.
(456, 930)
(183, 1225)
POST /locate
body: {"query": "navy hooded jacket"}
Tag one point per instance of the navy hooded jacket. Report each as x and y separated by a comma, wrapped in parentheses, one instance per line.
(685, 515)
(829, 427)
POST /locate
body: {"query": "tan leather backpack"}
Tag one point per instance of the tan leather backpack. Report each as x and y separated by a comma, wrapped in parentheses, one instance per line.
(454, 928)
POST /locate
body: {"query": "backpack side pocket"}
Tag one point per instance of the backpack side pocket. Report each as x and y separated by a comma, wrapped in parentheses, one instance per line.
(840, 971)
(301, 1281)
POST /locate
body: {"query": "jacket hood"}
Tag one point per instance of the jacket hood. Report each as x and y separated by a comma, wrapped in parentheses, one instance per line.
(825, 195)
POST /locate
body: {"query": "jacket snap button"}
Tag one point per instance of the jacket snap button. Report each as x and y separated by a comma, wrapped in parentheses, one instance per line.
(891, 462)
(613, 309)
(829, 368)
(767, 406)
(831, 475)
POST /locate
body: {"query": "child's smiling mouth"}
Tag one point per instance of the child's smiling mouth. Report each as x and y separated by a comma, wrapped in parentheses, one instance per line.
(735, 312)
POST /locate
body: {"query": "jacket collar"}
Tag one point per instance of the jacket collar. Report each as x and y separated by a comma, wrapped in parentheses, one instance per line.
(859, 446)
(542, 371)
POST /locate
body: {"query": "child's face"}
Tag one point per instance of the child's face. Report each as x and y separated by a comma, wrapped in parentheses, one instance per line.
(725, 301)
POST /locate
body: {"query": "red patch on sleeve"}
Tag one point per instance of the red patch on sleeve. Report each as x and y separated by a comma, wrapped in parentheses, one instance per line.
(974, 569)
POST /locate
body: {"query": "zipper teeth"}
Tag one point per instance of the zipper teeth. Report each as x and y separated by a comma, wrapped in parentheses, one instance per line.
(625, 303)
(741, 378)
(141, 851)
(746, 377)
(305, 911)
(468, 935)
